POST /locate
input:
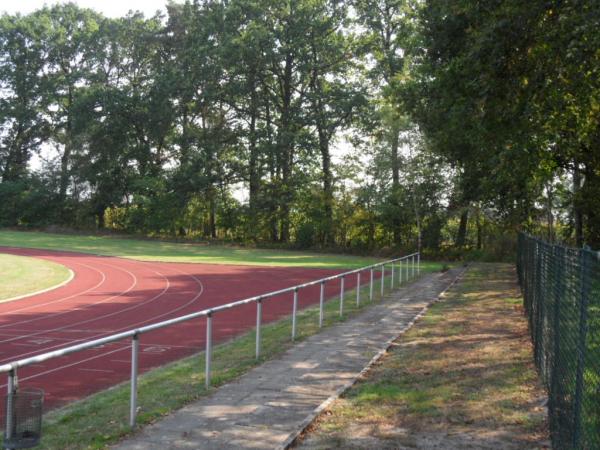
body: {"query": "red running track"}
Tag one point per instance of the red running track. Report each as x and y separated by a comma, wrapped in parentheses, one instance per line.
(109, 295)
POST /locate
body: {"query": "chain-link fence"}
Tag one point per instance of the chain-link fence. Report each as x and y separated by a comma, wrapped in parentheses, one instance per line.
(561, 290)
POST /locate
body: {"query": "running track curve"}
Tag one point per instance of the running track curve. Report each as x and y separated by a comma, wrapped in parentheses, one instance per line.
(109, 295)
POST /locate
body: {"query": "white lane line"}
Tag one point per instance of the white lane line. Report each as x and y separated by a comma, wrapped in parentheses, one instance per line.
(59, 300)
(9, 332)
(66, 366)
(42, 291)
(98, 370)
(70, 311)
(119, 349)
(88, 338)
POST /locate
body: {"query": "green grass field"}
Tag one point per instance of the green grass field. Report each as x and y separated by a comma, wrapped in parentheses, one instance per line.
(20, 275)
(150, 250)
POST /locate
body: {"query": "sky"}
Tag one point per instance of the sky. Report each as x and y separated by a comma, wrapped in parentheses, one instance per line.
(110, 8)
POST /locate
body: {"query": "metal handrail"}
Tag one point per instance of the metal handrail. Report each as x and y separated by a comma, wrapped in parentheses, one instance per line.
(134, 334)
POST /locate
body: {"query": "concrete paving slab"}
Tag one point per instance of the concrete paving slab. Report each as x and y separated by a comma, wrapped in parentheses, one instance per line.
(267, 406)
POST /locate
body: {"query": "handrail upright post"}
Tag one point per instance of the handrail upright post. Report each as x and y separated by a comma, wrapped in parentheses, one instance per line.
(11, 388)
(342, 296)
(400, 273)
(358, 289)
(135, 350)
(208, 350)
(294, 310)
(321, 304)
(371, 287)
(407, 276)
(258, 321)
(392, 279)
(382, 279)
(418, 263)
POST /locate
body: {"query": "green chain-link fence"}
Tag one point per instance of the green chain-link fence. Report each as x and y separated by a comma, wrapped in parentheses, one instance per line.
(561, 290)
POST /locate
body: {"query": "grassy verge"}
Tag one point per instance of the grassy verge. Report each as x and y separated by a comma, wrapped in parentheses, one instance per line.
(101, 419)
(20, 275)
(463, 377)
(148, 250)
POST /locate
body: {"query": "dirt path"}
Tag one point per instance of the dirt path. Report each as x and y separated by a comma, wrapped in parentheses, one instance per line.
(462, 378)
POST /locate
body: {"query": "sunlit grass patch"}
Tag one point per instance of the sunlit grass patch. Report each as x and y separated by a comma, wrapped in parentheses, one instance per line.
(21, 275)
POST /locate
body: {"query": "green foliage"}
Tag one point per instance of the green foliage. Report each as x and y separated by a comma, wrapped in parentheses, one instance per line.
(221, 120)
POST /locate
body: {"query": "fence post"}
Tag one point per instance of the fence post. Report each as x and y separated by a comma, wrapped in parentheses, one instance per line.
(342, 297)
(392, 279)
(382, 279)
(418, 263)
(357, 289)
(559, 271)
(135, 348)
(258, 321)
(294, 310)
(11, 388)
(407, 269)
(536, 302)
(208, 351)
(400, 272)
(321, 304)
(371, 287)
(413, 266)
(584, 287)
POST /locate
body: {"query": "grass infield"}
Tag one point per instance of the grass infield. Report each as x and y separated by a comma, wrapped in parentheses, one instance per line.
(102, 419)
(152, 250)
(21, 275)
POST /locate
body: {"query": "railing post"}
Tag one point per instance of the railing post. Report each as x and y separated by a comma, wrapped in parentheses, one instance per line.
(208, 350)
(358, 289)
(407, 277)
(413, 266)
(382, 279)
(258, 320)
(342, 296)
(321, 304)
(294, 310)
(11, 388)
(392, 279)
(371, 287)
(400, 272)
(418, 263)
(135, 350)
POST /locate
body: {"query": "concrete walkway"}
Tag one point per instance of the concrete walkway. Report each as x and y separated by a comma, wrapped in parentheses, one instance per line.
(270, 405)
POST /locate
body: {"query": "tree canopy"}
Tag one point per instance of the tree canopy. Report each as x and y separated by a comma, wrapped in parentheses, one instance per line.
(353, 125)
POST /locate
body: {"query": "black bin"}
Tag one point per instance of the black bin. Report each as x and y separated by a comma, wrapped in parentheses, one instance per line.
(26, 430)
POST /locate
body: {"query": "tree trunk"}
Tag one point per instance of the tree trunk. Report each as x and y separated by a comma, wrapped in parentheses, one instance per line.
(479, 230)
(549, 214)
(254, 174)
(286, 150)
(272, 200)
(462, 229)
(327, 187)
(395, 143)
(577, 212)
(212, 222)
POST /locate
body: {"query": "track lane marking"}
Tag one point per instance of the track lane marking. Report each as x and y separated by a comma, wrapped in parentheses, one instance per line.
(87, 338)
(62, 299)
(66, 366)
(69, 312)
